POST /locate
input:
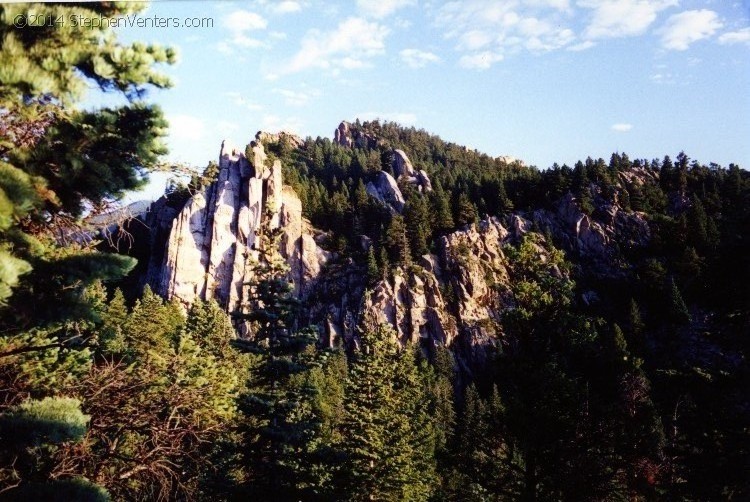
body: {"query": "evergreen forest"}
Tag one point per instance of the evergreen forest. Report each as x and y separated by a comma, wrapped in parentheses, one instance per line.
(623, 379)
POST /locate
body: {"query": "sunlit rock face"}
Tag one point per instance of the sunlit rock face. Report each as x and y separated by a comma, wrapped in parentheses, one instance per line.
(211, 242)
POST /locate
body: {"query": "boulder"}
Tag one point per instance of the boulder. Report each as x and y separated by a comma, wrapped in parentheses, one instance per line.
(386, 190)
(402, 165)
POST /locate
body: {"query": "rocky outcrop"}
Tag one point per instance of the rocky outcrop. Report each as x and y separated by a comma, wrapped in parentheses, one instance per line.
(402, 165)
(413, 304)
(456, 297)
(343, 135)
(346, 135)
(472, 261)
(386, 190)
(403, 170)
(600, 237)
(292, 140)
(212, 240)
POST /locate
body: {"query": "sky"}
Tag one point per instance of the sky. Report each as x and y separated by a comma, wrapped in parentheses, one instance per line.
(543, 81)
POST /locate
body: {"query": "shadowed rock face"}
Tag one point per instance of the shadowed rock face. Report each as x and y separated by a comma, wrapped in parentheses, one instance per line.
(211, 240)
(386, 190)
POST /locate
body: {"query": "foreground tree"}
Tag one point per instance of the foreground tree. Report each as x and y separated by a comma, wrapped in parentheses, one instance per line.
(387, 437)
(57, 161)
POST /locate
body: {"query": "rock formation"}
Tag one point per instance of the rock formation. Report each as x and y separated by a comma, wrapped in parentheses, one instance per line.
(404, 170)
(456, 297)
(401, 164)
(346, 135)
(210, 241)
(342, 135)
(386, 190)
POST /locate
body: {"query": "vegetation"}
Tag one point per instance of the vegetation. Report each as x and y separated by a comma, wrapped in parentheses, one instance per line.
(638, 395)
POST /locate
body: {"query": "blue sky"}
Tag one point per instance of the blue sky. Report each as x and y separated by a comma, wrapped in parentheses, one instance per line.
(540, 80)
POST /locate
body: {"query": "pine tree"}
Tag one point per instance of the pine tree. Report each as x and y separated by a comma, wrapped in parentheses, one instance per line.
(397, 242)
(55, 157)
(387, 436)
(677, 310)
(465, 211)
(111, 337)
(280, 425)
(373, 271)
(417, 220)
(271, 303)
(440, 210)
(635, 320)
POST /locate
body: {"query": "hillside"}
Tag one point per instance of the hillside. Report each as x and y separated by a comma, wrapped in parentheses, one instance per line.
(386, 312)
(518, 272)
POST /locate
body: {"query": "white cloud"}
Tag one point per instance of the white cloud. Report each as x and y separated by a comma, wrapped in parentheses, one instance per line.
(274, 123)
(416, 58)
(238, 23)
(588, 44)
(286, 7)
(350, 45)
(488, 31)
(622, 18)
(688, 27)
(735, 37)
(403, 118)
(563, 5)
(186, 127)
(382, 8)
(480, 60)
(622, 127)
(475, 39)
(297, 98)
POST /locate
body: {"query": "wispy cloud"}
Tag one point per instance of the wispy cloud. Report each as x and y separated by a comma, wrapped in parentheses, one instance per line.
(350, 45)
(486, 32)
(275, 123)
(480, 60)
(688, 27)
(286, 7)
(297, 98)
(239, 24)
(382, 8)
(663, 78)
(225, 127)
(622, 127)
(416, 58)
(582, 46)
(622, 18)
(735, 37)
(239, 100)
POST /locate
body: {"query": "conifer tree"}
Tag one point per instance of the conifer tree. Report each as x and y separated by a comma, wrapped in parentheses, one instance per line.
(396, 241)
(387, 437)
(373, 271)
(465, 211)
(440, 210)
(677, 310)
(417, 221)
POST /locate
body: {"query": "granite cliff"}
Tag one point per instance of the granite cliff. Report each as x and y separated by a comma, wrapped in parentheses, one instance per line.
(204, 249)
(454, 297)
